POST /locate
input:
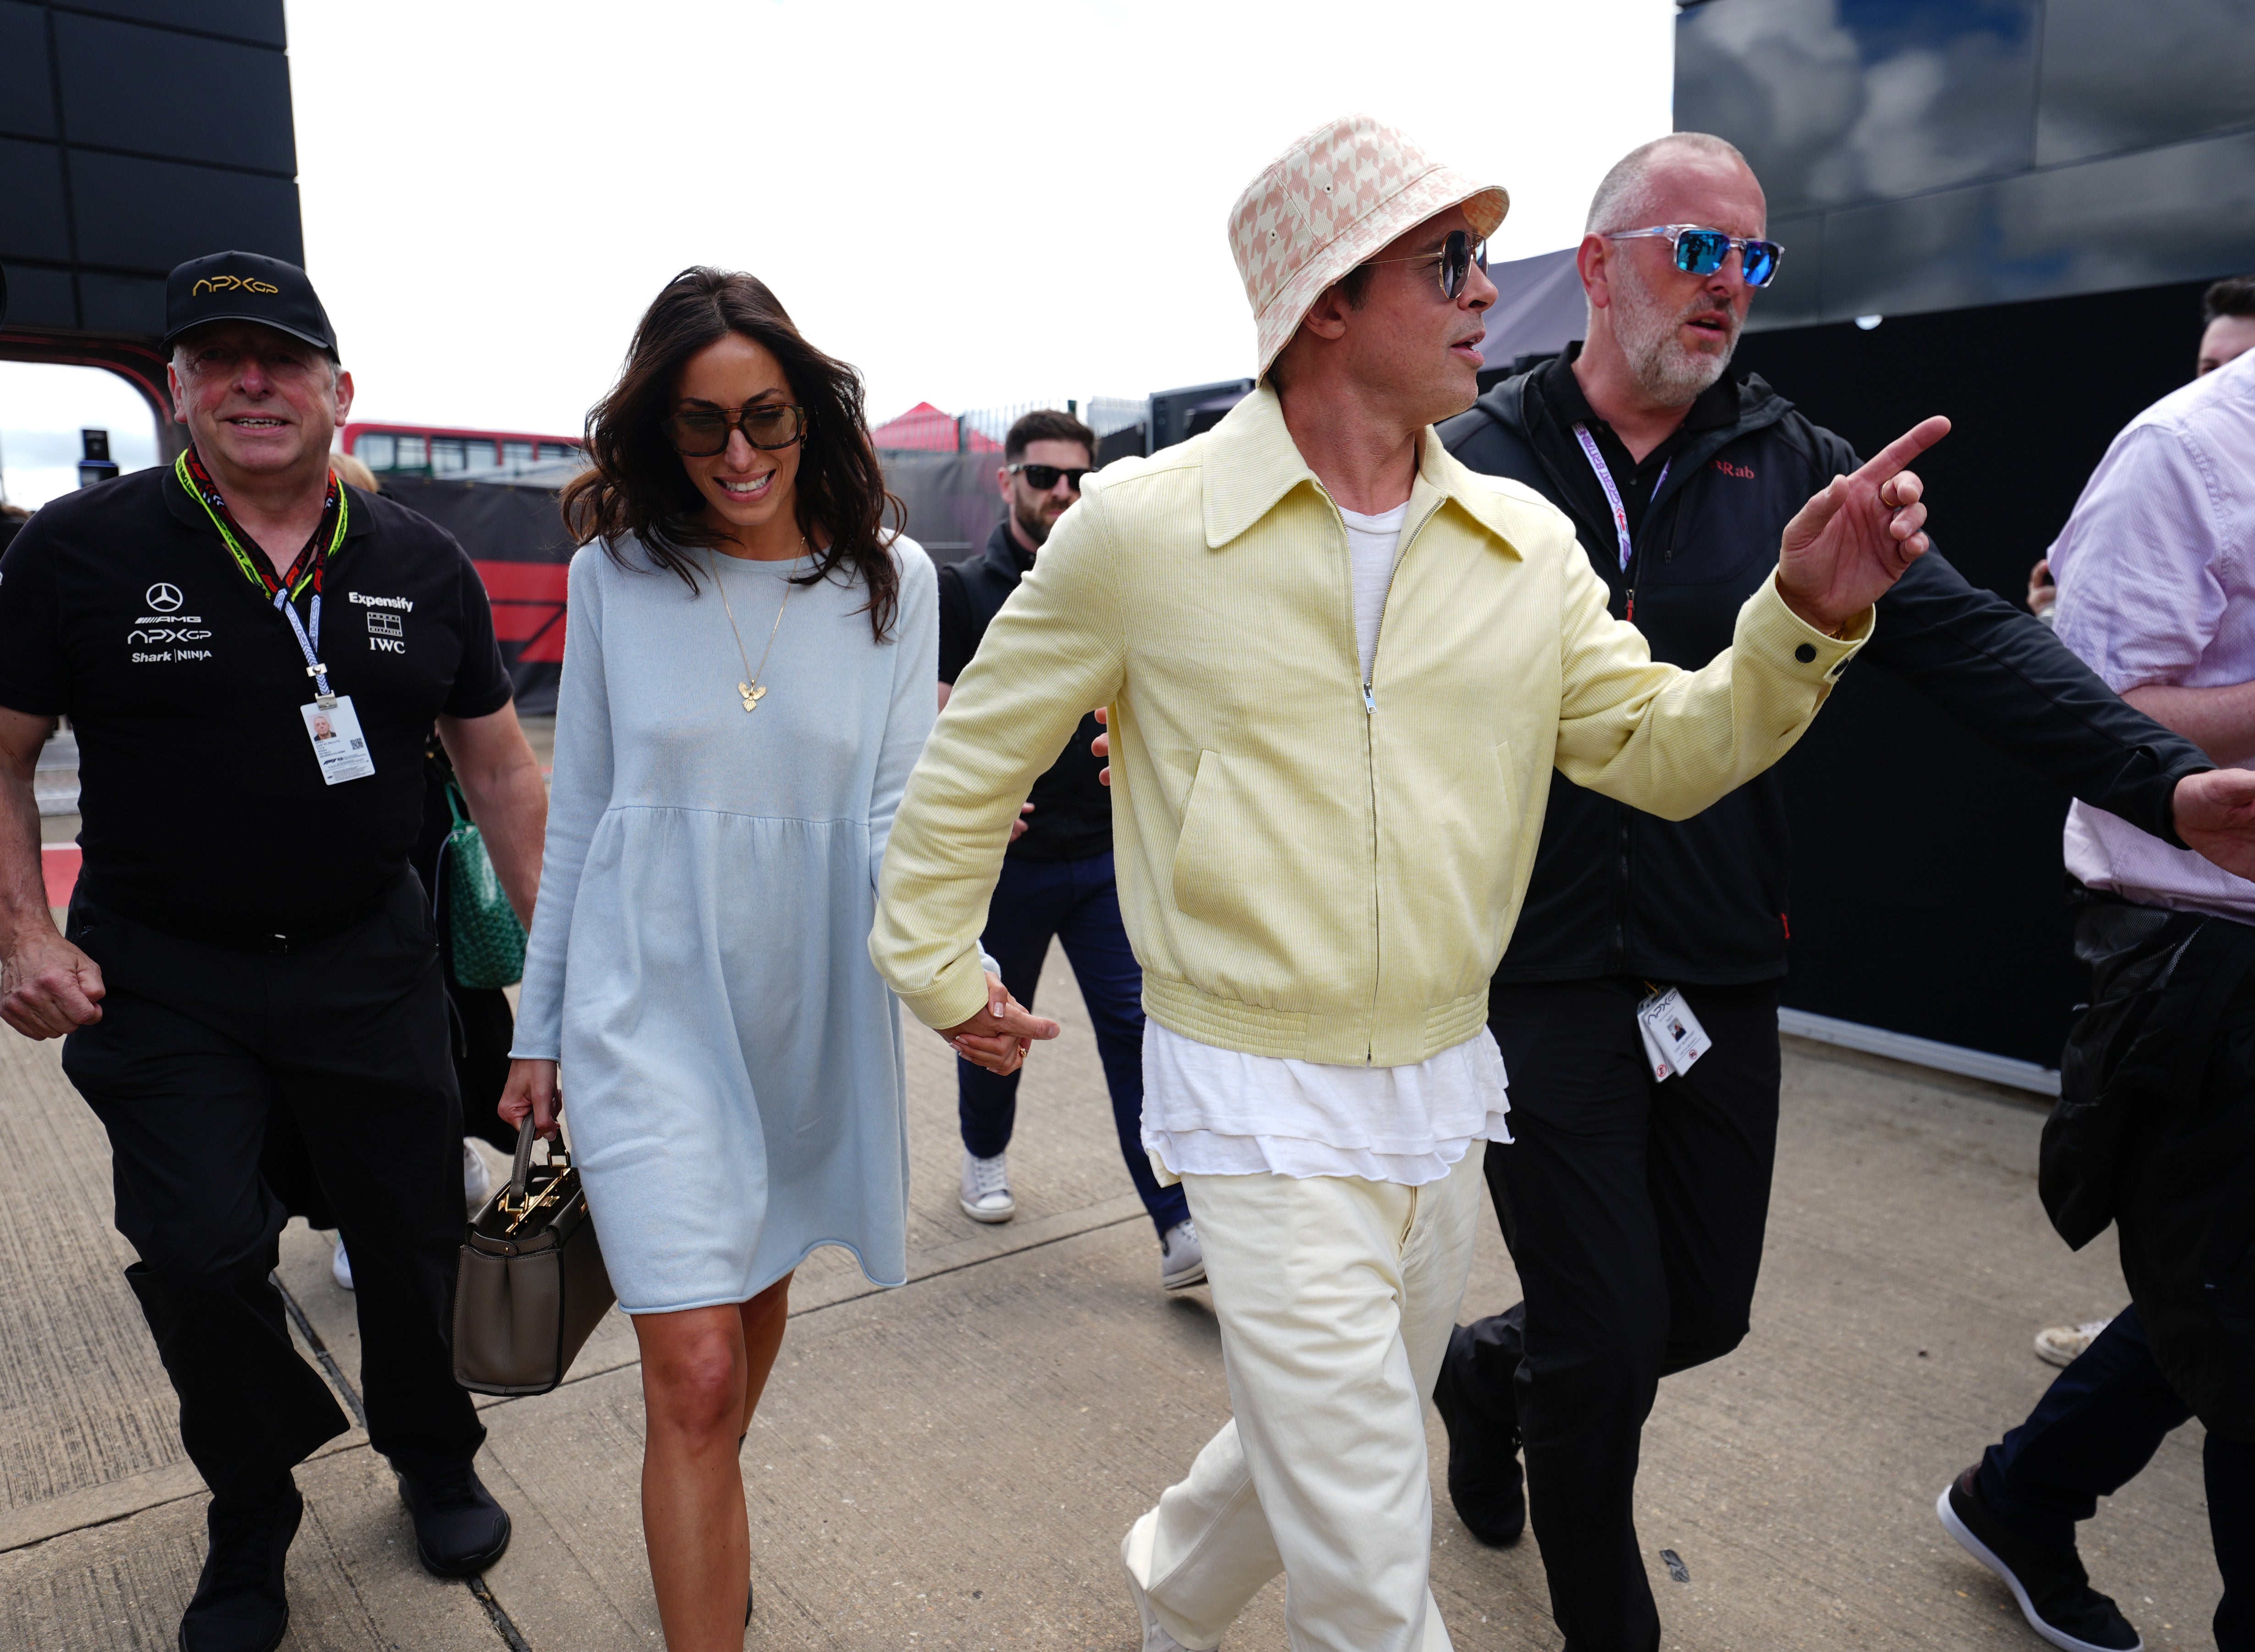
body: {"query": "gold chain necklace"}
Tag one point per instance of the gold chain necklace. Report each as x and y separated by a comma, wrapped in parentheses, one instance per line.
(752, 690)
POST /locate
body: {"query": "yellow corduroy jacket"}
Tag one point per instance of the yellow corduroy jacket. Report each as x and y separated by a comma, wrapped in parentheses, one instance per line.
(1306, 869)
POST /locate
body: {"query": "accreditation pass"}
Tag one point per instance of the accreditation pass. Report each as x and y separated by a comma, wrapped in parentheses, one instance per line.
(339, 746)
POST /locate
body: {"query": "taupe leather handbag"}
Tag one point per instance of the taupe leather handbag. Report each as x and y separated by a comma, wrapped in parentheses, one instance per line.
(531, 1286)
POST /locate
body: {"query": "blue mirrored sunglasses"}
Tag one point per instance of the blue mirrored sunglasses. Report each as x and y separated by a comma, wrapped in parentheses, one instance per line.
(1701, 251)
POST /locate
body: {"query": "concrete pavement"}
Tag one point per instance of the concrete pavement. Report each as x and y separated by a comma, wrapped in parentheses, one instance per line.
(951, 1465)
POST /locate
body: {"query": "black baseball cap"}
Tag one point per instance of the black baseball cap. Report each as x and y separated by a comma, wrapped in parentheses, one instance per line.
(245, 287)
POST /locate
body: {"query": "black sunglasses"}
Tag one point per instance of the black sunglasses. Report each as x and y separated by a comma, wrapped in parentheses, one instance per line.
(1701, 252)
(699, 432)
(1459, 254)
(1042, 478)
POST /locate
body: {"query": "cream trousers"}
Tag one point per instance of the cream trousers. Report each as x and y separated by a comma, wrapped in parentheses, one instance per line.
(1336, 1298)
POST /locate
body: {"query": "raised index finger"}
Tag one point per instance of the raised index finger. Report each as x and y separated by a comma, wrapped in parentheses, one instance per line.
(1904, 448)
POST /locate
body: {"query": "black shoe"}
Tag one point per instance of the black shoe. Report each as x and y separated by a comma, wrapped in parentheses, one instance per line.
(2053, 1589)
(1483, 1480)
(238, 1605)
(458, 1527)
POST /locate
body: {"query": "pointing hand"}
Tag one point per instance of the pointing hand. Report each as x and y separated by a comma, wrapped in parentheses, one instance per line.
(1851, 543)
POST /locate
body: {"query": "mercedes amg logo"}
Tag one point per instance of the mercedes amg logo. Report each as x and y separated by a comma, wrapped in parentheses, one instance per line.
(165, 598)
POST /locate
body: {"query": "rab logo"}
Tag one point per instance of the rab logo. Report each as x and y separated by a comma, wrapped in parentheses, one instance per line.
(1746, 472)
(230, 284)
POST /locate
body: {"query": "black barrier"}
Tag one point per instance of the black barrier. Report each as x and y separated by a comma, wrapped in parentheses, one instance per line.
(515, 536)
(1926, 867)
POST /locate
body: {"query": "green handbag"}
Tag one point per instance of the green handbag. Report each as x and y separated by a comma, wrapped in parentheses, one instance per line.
(488, 941)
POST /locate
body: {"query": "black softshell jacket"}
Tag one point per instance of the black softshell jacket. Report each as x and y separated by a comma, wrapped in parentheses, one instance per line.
(1620, 892)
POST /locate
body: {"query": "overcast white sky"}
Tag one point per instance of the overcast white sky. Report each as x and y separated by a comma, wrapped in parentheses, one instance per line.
(975, 203)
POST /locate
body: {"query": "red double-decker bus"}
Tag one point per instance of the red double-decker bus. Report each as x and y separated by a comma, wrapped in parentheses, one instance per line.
(513, 533)
(441, 453)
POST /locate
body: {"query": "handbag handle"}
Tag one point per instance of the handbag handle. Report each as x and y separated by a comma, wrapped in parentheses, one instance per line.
(520, 1173)
(521, 1170)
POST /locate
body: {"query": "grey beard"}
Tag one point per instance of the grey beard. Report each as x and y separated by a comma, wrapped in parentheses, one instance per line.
(1664, 369)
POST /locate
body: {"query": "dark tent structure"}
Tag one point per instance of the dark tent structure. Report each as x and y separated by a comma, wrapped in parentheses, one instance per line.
(2005, 211)
(514, 534)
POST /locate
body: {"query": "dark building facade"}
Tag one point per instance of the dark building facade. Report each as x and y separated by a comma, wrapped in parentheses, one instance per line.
(2022, 200)
(135, 134)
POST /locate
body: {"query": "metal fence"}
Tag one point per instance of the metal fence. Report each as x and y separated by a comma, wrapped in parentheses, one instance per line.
(927, 430)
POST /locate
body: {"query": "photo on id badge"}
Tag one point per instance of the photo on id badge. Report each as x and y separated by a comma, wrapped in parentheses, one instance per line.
(339, 747)
(1672, 1037)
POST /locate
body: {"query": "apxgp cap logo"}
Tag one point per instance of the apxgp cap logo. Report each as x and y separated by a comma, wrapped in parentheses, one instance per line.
(165, 598)
(230, 284)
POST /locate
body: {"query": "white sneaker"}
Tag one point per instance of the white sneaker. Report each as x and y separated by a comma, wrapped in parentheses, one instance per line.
(2064, 1345)
(1155, 1639)
(477, 1180)
(341, 1265)
(986, 1195)
(1181, 1261)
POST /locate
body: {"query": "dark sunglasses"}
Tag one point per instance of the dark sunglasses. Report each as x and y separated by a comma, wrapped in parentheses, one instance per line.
(1459, 254)
(1042, 478)
(699, 432)
(1701, 252)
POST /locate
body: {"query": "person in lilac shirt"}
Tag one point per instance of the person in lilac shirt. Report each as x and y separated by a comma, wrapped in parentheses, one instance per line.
(2155, 1128)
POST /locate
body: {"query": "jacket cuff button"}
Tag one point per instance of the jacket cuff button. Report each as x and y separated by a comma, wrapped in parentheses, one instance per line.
(1805, 653)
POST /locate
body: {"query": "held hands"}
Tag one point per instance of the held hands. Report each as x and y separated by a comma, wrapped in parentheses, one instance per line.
(48, 988)
(1850, 544)
(998, 1036)
(532, 1088)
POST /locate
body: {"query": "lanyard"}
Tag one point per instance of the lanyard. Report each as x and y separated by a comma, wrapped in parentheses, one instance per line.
(1612, 494)
(308, 570)
(311, 561)
(311, 644)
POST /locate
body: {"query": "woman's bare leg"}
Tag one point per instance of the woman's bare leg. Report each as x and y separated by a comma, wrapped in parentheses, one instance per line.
(763, 1317)
(695, 1376)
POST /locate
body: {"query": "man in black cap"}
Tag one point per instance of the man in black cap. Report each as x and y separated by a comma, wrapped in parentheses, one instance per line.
(252, 656)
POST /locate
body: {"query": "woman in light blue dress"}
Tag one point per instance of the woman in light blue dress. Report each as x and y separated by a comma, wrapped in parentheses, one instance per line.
(748, 681)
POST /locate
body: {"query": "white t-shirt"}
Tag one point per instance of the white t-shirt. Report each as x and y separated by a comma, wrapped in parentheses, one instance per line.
(1212, 1112)
(1373, 544)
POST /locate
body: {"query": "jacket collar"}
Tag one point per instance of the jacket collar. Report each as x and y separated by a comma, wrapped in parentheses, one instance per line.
(1251, 463)
(1008, 560)
(1528, 407)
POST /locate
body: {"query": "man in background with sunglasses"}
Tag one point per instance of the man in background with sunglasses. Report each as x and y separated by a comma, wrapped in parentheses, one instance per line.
(1634, 1207)
(1057, 878)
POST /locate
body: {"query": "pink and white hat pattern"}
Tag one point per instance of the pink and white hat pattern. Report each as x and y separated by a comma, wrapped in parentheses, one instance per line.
(1329, 202)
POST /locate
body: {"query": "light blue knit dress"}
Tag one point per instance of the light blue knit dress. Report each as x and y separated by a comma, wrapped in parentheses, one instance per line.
(732, 1064)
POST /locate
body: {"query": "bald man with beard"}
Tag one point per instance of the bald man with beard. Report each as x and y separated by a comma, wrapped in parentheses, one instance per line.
(1634, 1205)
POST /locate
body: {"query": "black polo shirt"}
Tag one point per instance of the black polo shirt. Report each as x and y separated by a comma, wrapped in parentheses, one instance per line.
(204, 808)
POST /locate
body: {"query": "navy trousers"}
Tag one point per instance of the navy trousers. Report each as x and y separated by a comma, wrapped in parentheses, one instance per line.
(1076, 902)
(2095, 1427)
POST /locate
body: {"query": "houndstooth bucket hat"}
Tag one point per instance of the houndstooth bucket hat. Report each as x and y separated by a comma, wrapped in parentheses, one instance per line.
(1329, 202)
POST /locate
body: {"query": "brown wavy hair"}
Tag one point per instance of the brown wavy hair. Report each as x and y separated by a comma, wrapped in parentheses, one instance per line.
(636, 484)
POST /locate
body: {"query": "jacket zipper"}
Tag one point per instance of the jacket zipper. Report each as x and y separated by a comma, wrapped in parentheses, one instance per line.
(1370, 749)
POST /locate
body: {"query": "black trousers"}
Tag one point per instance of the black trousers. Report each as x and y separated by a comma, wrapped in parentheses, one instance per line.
(2094, 1431)
(1634, 1213)
(203, 1052)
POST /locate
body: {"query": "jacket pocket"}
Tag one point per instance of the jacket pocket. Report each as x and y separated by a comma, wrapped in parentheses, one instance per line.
(1208, 851)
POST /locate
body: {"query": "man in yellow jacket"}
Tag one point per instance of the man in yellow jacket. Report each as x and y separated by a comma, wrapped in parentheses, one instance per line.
(1338, 668)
